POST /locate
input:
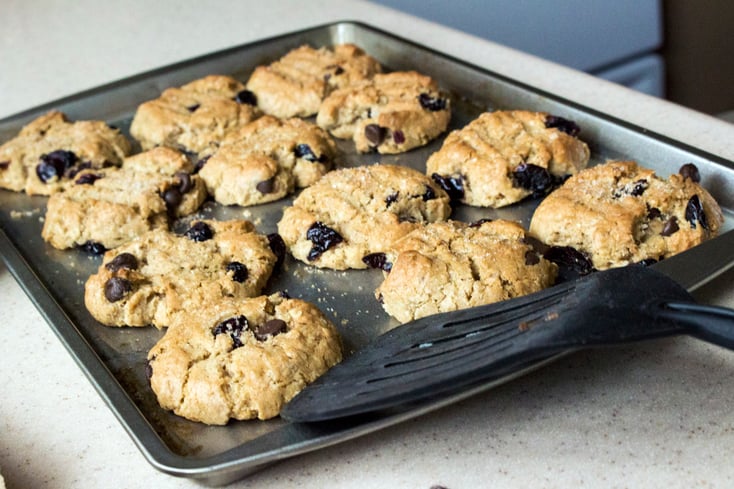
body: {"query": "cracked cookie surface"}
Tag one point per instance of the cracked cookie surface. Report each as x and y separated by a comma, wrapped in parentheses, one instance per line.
(242, 359)
(266, 160)
(619, 213)
(503, 157)
(161, 275)
(446, 266)
(49, 151)
(353, 212)
(111, 206)
(296, 84)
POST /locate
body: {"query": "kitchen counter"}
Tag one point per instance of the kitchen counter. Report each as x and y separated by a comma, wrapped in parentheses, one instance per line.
(656, 414)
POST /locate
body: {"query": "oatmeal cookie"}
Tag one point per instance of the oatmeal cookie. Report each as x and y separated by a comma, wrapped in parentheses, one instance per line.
(503, 157)
(48, 153)
(296, 84)
(391, 113)
(241, 359)
(353, 212)
(619, 213)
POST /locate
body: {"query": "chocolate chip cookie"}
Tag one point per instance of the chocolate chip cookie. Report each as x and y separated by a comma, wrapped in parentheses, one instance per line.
(241, 359)
(266, 160)
(296, 84)
(49, 151)
(391, 113)
(102, 209)
(446, 266)
(161, 275)
(620, 213)
(503, 157)
(195, 115)
(353, 212)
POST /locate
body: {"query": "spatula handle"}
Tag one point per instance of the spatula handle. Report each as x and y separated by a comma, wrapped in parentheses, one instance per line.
(709, 323)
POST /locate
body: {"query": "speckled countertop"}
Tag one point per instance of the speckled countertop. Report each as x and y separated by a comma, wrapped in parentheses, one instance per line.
(651, 415)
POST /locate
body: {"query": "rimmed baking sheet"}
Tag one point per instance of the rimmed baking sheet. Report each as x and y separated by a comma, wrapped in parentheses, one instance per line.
(114, 358)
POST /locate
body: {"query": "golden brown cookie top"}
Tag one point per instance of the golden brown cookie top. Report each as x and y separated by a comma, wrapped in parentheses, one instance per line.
(620, 213)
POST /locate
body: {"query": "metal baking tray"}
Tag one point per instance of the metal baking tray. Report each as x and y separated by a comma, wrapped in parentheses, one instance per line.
(114, 358)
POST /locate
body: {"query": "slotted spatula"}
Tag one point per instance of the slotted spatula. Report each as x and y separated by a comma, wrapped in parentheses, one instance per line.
(442, 355)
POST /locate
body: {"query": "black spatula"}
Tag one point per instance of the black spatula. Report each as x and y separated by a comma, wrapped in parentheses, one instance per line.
(442, 355)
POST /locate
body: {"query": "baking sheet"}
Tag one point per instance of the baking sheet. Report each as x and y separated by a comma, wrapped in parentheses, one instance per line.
(114, 358)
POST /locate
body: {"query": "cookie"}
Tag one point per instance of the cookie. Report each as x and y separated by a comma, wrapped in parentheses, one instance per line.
(49, 151)
(161, 275)
(296, 84)
(391, 113)
(241, 359)
(108, 207)
(503, 157)
(353, 212)
(446, 266)
(620, 213)
(191, 117)
(266, 160)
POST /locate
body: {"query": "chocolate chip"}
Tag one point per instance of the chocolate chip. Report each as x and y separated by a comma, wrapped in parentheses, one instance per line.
(433, 104)
(639, 188)
(398, 136)
(239, 271)
(563, 125)
(149, 368)
(266, 186)
(93, 248)
(479, 222)
(4, 165)
(323, 237)
(192, 108)
(200, 164)
(391, 199)
(531, 258)
(377, 260)
(246, 97)
(670, 227)
(695, 212)
(374, 134)
(571, 262)
(116, 288)
(454, 186)
(647, 262)
(429, 194)
(534, 178)
(277, 246)
(689, 170)
(199, 231)
(233, 327)
(54, 164)
(87, 179)
(304, 151)
(185, 184)
(654, 213)
(125, 260)
(172, 197)
(270, 328)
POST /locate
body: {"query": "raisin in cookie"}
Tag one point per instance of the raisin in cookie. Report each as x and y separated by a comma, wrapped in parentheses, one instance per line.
(296, 84)
(620, 213)
(193, 116)
(241, 359)
(353, 212)
(502, 157)
(266, 160)
(446, 266)
(49, 151)
(105, 208)
(391, 113)
(160, 275)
